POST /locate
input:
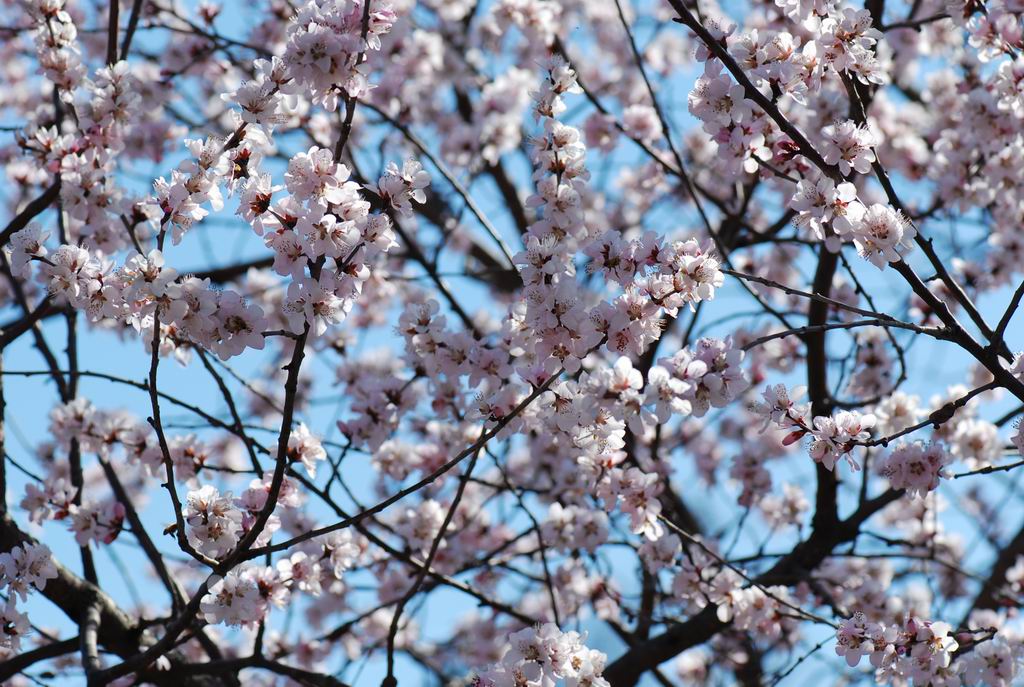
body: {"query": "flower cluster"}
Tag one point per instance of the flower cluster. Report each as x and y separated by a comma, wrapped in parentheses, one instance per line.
(835, 437)
(848, 146)
(190, 311)
(306, 448)
(22, 568)
(693, 381)
(214, 524)
(824, 203)
(656, 275)
(244, 596)
(574, 527)
(847, 44)
(194, 183)
(917, 650)
(916, 467)
(326, 44)
(55, 35)
(702, 579)
(739, 128)
(544, 655)
(882, 235)
(636, 493)
(834, 214)
(832, 437)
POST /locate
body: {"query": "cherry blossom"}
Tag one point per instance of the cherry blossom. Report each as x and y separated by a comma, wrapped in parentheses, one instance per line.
(443, 337)
(915, 467)
(849, 147)
(882, 235)
(25, 567)
(213, 521)
(546, 655)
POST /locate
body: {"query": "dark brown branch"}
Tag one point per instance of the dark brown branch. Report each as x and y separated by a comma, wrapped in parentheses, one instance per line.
(112, 30)
(31, 211)
(133, 22)
(27, 659)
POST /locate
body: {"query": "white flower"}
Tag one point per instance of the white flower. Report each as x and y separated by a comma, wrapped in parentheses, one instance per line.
(848, 146)
(26, 566)
(304, 446)
(881, 233)
(234, 600)
(214, 523)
